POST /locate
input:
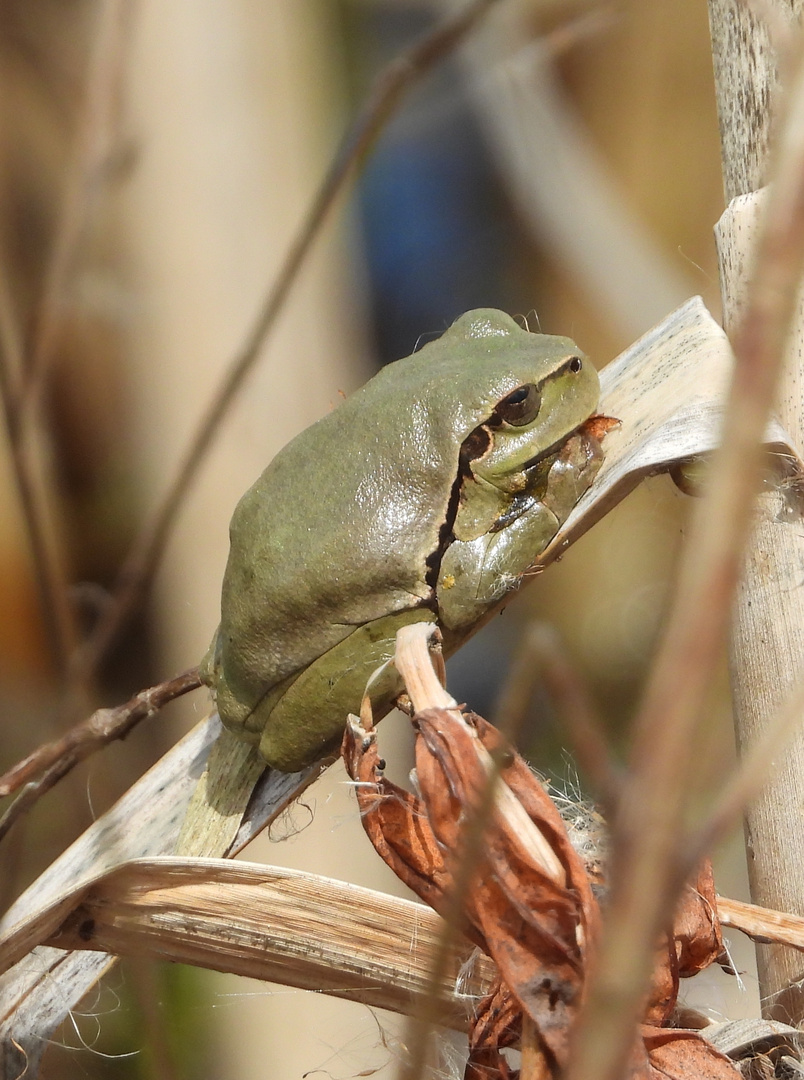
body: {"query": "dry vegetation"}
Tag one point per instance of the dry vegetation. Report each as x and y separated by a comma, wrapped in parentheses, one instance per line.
(63, 335)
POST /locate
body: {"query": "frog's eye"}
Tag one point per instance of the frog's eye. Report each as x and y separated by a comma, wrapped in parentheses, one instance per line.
(575, 364)
(520, 407)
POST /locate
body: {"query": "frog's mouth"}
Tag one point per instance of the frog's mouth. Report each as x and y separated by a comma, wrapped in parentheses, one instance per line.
(579, 455)
(591, 431)
(584, 440)
(547, 457)
(475, 447)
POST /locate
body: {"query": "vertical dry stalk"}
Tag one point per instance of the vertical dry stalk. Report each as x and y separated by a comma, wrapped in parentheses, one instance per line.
(768, 631)
(649, 830)
(746, 81)
(24, 370)
(90, 157)
(33, 491)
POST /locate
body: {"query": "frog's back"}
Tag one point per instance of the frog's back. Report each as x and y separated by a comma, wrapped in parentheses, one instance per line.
(334, 534)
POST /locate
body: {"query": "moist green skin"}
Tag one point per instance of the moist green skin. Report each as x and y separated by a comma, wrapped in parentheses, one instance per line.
(372, 518)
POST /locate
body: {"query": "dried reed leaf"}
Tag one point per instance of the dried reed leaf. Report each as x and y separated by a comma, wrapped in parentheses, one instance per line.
(38, 994)
(667, 390)
(281, 925)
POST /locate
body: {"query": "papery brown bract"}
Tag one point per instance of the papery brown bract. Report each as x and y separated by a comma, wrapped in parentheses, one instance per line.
(536, 928)
(683, 1055)
(497, 1021)
(537, 923)
(696, 927)
(694, 943)
(529, 903)
(395, 821)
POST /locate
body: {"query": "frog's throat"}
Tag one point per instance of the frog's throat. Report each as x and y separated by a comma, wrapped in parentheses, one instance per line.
(549, 454)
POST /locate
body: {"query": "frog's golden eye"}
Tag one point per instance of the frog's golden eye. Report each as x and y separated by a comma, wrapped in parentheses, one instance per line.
(520, 407)
(575, 364)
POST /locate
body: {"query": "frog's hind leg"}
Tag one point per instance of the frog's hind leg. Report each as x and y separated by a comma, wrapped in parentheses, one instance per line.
(308, 720)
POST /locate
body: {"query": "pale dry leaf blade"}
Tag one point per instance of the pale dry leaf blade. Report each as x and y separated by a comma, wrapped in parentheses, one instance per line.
(667, 390)
(264, 922)
(37, 994)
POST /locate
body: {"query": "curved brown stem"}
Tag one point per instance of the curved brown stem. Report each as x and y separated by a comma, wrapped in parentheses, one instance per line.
(42, 770)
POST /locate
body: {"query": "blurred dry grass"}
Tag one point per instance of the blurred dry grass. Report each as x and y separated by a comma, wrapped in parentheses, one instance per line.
(229, 115)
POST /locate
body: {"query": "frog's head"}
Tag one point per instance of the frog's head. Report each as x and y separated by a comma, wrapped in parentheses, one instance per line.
(524, 393)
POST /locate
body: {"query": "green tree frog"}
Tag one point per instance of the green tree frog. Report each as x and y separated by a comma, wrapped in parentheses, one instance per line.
(427, 494)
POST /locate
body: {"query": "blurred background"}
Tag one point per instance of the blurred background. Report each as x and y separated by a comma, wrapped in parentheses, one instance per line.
(156, 162)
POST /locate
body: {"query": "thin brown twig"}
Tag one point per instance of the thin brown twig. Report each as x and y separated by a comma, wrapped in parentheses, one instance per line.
(89, 161)
(648, 837)
(477, 819)
(22, 377)
(57, 617)
(41, 770)
(394, 82)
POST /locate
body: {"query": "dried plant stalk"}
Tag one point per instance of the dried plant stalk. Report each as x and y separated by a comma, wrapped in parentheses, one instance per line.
(762, 923)
(746, 81)
(768, 628)
(649, 834)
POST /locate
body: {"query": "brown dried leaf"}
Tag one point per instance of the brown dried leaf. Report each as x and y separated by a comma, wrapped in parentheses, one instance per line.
(695, 943)
(529, 904)
(696, 929)
(497, 1024)
(683, 1055)
(394, 820)
(529, 896)
(498, 1020)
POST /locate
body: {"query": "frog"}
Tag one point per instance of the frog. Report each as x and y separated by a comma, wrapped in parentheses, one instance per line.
(427, 495)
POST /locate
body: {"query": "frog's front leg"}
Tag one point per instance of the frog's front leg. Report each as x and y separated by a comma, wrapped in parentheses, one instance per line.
(475, 574)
